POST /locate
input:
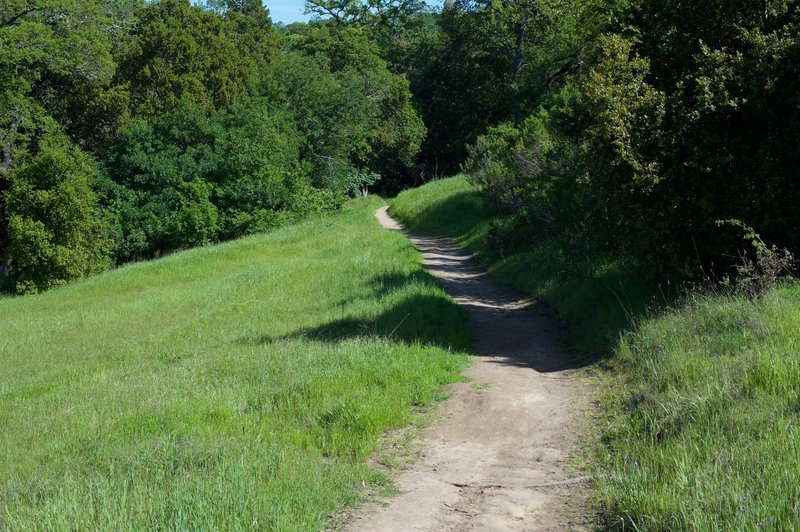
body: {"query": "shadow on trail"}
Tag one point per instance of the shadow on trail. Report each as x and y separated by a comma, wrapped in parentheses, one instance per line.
(482, 317)
(508, 326)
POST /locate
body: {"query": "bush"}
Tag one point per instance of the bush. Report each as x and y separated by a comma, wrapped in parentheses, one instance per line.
(533, 173)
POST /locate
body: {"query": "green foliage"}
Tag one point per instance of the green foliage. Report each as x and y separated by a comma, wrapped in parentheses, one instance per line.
(360, 181)
(234, 386)
(183, 53)
(252, 29)
(462, 84)
(762, 272)
(352, 111)
(189, 178)
(49, 49)
(534, 174)
(694, 122)
(487, 63)
(381, 14)
(154, 189)
(673, 126)
(54, 235)
(627, 113)
(207, 124)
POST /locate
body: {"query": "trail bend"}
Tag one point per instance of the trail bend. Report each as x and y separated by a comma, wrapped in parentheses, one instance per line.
(495, 459)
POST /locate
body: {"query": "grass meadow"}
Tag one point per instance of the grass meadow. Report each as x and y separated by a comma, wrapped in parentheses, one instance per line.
(699, 419)
(239, 386)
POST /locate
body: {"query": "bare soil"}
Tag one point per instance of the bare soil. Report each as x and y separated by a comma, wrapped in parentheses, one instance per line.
(498, 456)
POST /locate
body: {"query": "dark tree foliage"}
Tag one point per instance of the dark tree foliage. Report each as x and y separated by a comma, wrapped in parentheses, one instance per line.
(696, 119)
(625, 127)
(488, 63)
(183, 53)
(686, 113)
(462, 87)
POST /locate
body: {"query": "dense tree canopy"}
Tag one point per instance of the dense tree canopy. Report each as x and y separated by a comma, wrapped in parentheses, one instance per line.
(132, 128)
(687, 113)
(203, 122)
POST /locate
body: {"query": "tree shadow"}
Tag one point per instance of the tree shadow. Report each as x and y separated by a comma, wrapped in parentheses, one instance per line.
(456, 214)
(528, 337)
(480, 316)
(424, 319)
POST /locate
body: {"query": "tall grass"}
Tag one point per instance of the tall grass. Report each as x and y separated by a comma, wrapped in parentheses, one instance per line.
(706, 434)
(238, 386)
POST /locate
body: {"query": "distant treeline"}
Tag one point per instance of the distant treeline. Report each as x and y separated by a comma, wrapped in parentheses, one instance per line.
(129, 129)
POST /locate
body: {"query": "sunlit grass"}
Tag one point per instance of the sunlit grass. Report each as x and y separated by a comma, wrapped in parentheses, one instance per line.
(238, 386)
(706, 435)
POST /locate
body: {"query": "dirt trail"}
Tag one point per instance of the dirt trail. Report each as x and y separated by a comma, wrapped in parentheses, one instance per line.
(496, 460)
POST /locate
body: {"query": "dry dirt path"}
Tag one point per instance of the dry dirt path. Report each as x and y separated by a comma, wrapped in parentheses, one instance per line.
(495, 460)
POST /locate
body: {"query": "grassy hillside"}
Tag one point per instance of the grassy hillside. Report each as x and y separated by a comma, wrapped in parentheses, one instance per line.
(706, 434)
(700, 421)
(230, 387)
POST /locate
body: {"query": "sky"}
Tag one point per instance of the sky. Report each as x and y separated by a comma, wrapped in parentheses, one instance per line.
(286, 11)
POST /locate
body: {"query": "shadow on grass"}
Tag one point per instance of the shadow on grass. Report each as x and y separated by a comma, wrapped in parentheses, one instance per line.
(455, 215)
(425, 319)
(527, 337)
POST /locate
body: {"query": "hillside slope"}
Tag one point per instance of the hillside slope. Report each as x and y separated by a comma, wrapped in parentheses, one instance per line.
(228, 387)
(699, 425)
(597, 295)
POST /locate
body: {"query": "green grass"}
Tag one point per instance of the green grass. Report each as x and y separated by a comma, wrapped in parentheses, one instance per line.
(239, 386)
(699, 420)
(599, 304)
(706, 435)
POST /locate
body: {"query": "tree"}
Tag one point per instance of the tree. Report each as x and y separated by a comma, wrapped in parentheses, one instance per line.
(692, 121)
(376, 13)
(353, 112)
(54, 233)
(183, 53)
(252, 29)
(43, 45)
(461, 86)
(49, 49)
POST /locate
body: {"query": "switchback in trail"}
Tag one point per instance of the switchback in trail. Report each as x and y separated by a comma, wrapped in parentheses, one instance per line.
(496, 459)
